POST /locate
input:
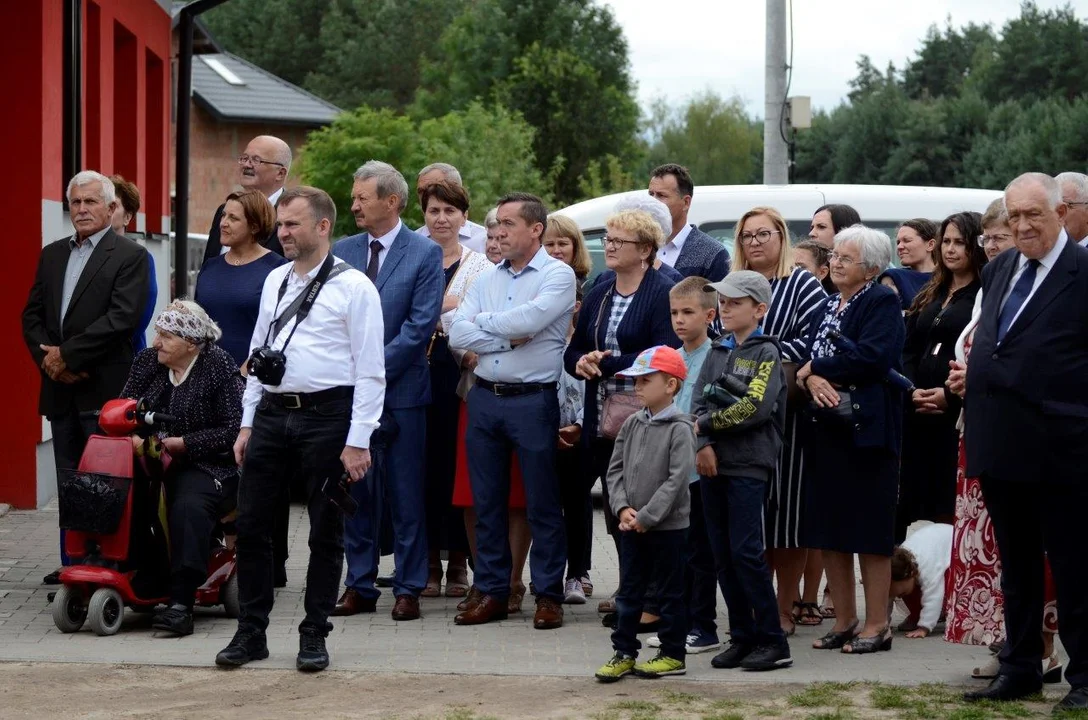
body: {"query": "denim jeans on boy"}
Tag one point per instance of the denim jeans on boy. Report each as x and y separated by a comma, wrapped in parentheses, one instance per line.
(659, 555)
(700, 576)
(733, 508)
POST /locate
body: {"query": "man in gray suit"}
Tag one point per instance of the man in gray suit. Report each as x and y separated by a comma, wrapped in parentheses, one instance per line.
(689, 250)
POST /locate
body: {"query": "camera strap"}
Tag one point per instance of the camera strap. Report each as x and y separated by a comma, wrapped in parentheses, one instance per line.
(302, 305)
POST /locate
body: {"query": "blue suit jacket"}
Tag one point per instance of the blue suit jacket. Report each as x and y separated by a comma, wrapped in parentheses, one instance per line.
(411, 284)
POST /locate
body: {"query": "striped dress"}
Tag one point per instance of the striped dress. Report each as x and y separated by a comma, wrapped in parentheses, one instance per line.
(793, 300)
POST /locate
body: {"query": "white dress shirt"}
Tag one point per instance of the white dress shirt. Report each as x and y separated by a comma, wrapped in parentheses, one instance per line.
(339, 344)
(471, 235)
(502, 305)
(1084, 242)
(1045, 264)
(670, 251)
(386, 241)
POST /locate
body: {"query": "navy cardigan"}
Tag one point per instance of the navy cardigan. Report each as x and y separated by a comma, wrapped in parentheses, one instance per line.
(875, 323)
(647, 322)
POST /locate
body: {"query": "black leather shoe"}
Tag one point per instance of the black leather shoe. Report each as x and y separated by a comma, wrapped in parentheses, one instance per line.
(1004, 688)
(312, 655)
(279, 578)
(52, 578)
(384, 581)
(1077, 699)
(248, 644)
(176, 619)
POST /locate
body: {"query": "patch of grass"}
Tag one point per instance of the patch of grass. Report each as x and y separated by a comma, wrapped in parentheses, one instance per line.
(939, 693)
(889, 697)
(679, 698)
(461, 713)
(727, 704)
(606, 715)
(637, 705)
(723, 716)
(824, 694)
(769, 712)
(839, 714)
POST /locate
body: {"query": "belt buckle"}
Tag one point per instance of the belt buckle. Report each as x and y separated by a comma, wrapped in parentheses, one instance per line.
(297, 401)
(499, 389)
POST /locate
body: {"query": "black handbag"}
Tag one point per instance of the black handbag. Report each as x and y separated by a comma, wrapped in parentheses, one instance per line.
(843, 412)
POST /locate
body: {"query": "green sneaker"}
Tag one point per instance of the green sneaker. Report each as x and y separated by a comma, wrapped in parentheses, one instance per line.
(616, 668)
(660, 666)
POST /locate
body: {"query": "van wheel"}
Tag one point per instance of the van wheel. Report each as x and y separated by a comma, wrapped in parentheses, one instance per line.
(106, 611)
(228, 594)
(69, 609)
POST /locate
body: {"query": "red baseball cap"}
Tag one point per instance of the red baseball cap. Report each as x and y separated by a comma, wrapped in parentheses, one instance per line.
(661, 358)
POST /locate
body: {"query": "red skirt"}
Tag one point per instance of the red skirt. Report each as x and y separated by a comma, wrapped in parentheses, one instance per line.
(462, 488)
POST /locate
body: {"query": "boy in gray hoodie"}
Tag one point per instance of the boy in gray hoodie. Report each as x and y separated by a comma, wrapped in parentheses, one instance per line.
(740, 406)
(647, 481)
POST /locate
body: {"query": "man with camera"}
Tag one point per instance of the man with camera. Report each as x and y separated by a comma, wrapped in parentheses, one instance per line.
(313, 397)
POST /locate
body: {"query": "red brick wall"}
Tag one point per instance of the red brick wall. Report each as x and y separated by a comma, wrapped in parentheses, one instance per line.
(213, 169)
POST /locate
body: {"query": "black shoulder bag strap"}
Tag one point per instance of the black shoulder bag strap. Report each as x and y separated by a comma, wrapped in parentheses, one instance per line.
(302, 305)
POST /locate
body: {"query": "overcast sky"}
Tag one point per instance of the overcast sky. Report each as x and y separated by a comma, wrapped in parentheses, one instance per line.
(681, 47)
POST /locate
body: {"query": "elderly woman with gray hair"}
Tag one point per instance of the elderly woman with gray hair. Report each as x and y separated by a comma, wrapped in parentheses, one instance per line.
(853, 437)
(186, 375)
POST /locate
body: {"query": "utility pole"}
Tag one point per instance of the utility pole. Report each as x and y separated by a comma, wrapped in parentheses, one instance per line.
(776, 161)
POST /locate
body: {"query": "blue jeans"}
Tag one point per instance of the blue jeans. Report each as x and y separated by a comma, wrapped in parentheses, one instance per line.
(529, 425)
(733, 508)
(401, 485)
(657, 555)
(699, 577)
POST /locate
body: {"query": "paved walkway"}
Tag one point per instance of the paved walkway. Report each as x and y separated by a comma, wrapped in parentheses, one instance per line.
(28, 550)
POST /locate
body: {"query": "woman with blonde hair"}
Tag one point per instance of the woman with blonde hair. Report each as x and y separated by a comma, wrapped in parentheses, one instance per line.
(564, 241)
(762, 243)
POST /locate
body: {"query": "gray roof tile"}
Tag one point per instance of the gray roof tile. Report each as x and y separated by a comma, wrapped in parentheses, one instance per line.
(263, 96)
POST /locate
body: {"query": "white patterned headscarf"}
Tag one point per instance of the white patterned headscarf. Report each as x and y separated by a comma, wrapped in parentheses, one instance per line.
(188, 320)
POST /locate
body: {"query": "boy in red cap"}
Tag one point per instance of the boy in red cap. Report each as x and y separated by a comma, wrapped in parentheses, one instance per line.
(647, 481)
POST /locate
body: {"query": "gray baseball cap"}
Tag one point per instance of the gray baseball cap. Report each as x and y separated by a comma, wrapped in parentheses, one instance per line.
(744, 283)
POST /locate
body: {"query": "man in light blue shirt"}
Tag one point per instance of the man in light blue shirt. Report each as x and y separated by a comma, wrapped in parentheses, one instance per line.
(515, 318)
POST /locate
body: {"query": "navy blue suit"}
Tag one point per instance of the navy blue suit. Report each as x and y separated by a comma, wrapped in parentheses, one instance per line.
(1025, 435)
(411, 285)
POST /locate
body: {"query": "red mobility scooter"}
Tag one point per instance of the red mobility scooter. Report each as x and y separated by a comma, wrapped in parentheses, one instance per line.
(113, 508)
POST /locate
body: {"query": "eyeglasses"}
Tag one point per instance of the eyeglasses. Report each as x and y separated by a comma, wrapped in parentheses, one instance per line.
(617, 243)
(984, 240)
(842, 259)
(1075, 203)
(256, 161)
(758, 237)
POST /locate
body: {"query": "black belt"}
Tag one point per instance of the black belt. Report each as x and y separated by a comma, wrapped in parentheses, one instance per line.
(508, 389)
(305, 401)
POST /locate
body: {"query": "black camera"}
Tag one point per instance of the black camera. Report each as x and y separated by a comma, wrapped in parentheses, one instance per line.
(725, 391)
(267, 365)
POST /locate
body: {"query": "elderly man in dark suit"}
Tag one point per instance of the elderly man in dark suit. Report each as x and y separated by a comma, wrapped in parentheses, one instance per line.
(689, 251)
(263, 166)
(1026, 423)
(407, 270)
(84, 307)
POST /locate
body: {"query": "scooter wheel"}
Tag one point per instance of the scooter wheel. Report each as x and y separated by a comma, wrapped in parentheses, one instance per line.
(69, 609)
(106, 611)
(229, 595)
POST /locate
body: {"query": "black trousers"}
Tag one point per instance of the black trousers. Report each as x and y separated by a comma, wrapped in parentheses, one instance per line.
(70, 435)
(192, 499)
(601, 450)
(1030, 519)
(574, 486)
(282, 440)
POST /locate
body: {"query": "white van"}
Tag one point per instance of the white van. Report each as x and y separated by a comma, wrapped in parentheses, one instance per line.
(715, 209)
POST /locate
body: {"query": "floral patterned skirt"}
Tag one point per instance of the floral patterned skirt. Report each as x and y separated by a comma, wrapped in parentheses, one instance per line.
(973, 600)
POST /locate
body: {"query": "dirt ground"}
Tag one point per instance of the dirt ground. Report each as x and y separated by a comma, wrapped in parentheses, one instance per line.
(68, 690)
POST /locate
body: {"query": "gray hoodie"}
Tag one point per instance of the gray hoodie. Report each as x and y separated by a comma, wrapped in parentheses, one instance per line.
(653, 460)
(747, 435)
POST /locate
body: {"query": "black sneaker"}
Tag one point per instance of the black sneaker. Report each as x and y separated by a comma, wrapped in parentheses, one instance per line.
(732, 656)
(248, 644)
(312, 655)
(176, 619)
(768, 657)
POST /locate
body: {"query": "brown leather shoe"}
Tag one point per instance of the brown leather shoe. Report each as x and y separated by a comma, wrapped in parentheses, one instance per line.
(549, 614)
(352, 603)
(406, 608)
(471, 600)
(486, 610)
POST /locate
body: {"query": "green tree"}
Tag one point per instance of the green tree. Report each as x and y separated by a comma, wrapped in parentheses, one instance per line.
(710, 135)
(562, 64)
(492, 148)
(280, 36)
(946, 61)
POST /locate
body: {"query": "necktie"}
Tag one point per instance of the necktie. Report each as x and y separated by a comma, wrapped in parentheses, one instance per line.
(372, 267)
(1017, 297)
